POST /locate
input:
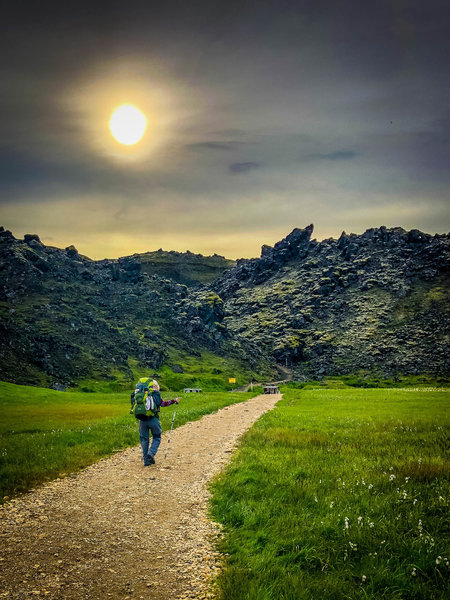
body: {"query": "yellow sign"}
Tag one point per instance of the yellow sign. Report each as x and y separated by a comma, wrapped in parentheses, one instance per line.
(231, 379)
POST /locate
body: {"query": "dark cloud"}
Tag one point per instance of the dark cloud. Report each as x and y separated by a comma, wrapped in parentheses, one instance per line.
(230, 133)
(243, 167)
(233, 145)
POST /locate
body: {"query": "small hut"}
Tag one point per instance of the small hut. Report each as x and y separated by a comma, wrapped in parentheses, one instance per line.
(271, 389)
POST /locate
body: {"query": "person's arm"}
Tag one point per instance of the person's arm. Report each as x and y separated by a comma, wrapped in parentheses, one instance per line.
(160, 402)
(169, 402)
(132, 402)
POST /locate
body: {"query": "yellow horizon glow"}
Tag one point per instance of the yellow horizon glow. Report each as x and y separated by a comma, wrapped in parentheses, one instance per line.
(127, 124)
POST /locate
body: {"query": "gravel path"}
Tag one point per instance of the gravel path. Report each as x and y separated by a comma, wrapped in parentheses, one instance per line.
(121, 530)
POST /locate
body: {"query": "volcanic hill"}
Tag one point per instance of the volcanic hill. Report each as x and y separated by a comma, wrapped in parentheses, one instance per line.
(376, 302)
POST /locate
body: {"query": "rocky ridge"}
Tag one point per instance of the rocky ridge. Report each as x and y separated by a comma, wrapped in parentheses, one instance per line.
(376, 301)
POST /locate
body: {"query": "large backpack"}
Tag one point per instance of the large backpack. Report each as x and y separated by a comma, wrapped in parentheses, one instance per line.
(144, 404)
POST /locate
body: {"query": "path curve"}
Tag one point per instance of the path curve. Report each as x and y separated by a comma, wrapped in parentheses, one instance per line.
(120, 530)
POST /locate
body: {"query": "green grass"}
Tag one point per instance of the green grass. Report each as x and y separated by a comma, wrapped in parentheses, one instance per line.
(44, 433)
(369, 380)
(207, 371)
(204, 370)
(339, 494)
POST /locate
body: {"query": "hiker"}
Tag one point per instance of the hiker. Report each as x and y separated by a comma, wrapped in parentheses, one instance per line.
(147, 411)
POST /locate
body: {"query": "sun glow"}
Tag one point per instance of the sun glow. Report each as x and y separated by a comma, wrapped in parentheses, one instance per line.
(127, 124)
(128, 114)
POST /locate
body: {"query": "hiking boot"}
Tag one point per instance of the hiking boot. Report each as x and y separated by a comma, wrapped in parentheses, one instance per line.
(151, 459)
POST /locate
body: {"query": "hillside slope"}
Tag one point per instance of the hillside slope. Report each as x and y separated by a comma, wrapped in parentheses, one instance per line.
(64, 317)
(376, 302)
(183, 267)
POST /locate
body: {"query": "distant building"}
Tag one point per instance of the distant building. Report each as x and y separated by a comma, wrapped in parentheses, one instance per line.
(271, 389)
(191, 390)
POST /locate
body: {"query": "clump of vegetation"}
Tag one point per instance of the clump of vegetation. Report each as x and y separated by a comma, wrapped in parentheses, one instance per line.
(339, 493)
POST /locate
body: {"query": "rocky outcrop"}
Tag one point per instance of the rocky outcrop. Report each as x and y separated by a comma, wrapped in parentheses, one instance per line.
(257, 270)
(376, 301)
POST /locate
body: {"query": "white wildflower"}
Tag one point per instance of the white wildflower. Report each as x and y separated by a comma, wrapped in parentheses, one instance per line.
(391, 477)
(439, 560)
(331, 504)
(363, 578)
(370, 486)
(346, 522)
(371, 524)
(360, 520)
(413, 572)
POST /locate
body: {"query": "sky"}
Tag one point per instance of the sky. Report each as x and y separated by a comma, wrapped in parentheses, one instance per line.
(261, 116)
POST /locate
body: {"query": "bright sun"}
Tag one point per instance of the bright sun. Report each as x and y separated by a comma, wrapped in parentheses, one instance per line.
(127, 124)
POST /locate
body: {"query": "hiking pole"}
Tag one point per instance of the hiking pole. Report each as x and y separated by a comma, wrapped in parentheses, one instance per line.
(171, 427)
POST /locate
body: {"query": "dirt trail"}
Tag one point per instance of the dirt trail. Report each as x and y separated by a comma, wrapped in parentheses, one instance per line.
(121, 530)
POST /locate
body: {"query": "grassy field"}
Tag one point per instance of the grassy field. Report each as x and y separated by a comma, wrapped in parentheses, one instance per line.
(45, 434)
(204, 370)
(339, 494)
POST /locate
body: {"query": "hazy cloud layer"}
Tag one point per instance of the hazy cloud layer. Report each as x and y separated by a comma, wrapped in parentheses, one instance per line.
(262, 117)
(243, 167)
(336, 155)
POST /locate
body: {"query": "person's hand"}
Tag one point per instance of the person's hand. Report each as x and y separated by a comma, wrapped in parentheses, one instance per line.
(177, 400)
